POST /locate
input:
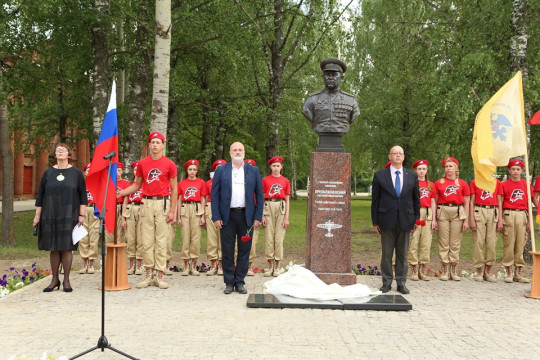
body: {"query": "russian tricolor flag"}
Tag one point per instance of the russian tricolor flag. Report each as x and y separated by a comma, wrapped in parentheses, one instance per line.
(97, 177)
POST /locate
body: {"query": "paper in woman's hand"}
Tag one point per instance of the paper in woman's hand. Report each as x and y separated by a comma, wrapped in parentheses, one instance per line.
(78, 233)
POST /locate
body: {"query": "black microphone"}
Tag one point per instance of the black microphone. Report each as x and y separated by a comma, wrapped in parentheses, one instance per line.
(110, 155)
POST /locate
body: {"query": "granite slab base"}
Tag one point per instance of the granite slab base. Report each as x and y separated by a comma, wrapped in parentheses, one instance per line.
(376, 303)
(328, 224)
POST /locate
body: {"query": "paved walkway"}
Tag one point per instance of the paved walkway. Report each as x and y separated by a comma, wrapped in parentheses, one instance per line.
(195, 320)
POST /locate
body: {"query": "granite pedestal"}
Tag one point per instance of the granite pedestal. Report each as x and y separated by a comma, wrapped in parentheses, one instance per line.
(328, 230)
(378, 302)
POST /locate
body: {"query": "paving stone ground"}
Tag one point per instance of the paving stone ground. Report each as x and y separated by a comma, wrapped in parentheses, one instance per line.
(194, 320)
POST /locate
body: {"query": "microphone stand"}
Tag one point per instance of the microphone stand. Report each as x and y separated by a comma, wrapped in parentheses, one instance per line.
(103, 343)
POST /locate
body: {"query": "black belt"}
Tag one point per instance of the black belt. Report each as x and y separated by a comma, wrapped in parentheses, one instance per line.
(90, 205)
(155, 197)
(515, 209)
(191, 202)
(136, 203)
(450, 205)
(486, 206)
(273, 200)
(238, 209)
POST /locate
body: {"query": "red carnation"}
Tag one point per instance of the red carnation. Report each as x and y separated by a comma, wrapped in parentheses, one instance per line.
(245, 238)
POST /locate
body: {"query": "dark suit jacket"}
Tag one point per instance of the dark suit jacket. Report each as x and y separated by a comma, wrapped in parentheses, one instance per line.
(386, 205)
(222, 193)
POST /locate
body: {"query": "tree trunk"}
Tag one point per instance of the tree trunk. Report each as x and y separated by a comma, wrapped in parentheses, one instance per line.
(100, 73)
(276, 81)
(162, 65)
(8, 235)
(139, 95)
(173, 147)
(62, 118)
(518, 52)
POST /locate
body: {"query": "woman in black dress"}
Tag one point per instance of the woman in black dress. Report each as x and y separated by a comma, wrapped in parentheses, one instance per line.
(60, 205)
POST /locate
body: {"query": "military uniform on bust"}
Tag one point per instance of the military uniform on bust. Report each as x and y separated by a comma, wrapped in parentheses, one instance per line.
(331, 111)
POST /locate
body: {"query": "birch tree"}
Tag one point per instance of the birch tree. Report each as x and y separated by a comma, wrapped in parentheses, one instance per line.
(162, 64)
(100, 73)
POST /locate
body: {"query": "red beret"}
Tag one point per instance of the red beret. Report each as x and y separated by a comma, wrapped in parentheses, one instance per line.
(387, 165)
(420, 162)
(250, 161)
(135, 163)
(120, 165)
(515, 162)
(87, 166)
(156, 135)
(191, 162)
(450, 159)
(217, 163)
(275, 159)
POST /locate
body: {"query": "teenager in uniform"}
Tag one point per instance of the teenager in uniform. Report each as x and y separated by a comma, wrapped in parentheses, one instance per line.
(514, 222)
(452, 196)
(120, 231)
(130, 224)
(213, 239)
(191, 202)
(484, 217)
(88, 246)
(420, 243)
(277, 190)
(253, 251)
(155, 175)
(172, 236)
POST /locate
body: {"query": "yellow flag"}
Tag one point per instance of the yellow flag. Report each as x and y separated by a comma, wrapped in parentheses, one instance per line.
(499, 133)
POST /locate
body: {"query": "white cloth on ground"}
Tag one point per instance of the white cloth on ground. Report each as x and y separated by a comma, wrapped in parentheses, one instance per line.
(301, 283)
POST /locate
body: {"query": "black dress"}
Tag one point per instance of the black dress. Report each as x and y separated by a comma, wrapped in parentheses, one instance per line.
(60, 194)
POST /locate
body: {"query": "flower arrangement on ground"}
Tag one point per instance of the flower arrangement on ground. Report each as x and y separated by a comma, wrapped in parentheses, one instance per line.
(14, 280)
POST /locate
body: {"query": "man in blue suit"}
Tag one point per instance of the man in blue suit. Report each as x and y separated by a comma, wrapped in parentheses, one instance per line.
(395, 207)
(237, 207)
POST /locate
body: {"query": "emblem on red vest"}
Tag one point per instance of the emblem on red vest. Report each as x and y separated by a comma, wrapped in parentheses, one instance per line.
(451, 189)
(517, 194)
(424, 193)
(153, 175)
(275, 190)
(486, 195)
(190, 192)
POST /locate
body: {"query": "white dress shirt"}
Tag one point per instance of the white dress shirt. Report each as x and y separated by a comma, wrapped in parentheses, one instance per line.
(393, 173)
(238, 196)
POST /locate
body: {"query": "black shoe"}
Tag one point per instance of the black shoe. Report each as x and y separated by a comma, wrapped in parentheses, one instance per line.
(385, 289)
(228, 289)
(240, 288)
(403, 289)
(50, 289)
(67, 289)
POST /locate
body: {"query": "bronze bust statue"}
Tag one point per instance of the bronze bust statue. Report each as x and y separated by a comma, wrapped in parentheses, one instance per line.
(331, 111)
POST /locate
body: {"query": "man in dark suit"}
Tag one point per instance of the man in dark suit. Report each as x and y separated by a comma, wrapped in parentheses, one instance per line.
(395, 207)
(237, 207)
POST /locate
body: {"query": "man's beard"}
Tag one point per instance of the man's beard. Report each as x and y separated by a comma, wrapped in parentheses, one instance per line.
(237, 159)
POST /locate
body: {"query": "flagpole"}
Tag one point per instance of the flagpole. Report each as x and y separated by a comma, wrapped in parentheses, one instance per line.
(529, 202)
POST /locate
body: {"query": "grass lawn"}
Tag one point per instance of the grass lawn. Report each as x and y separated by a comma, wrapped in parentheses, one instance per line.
(364, 238)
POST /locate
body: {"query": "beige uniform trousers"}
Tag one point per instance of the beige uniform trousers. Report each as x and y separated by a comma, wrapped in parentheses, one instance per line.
(213, 236)
(120, 233)
(485, 235)
(449, 233)
(88, 246)
(420, 243)
(274, 232)
(191, 230)
(155, 233)
(514, 237)
(253, 251)
(133, 232)
(172, 236)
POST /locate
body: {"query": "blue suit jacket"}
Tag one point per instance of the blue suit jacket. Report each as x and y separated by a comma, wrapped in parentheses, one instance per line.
(222, 193)
(386, 205)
